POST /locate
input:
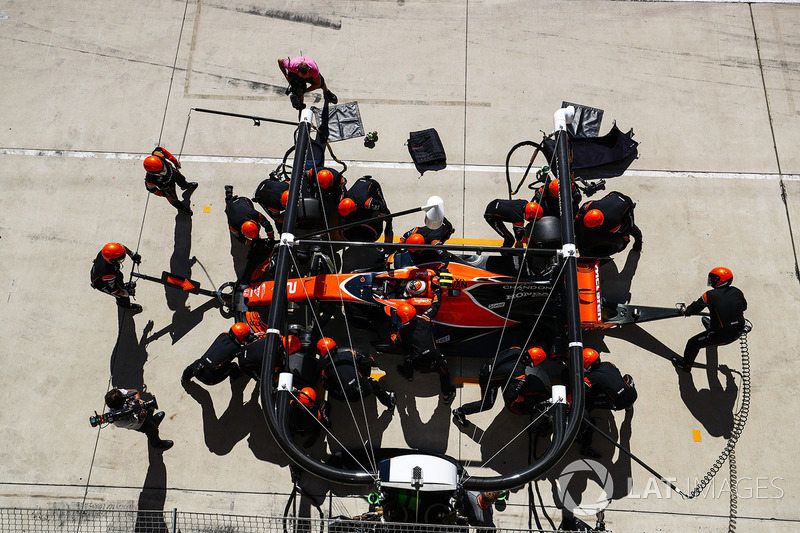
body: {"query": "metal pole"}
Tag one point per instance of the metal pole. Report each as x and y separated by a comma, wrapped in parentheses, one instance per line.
(360, 222)
(565, 427)
(561, 118)
(449, 247)
(276, 405)
(174, 520)
(255, 119)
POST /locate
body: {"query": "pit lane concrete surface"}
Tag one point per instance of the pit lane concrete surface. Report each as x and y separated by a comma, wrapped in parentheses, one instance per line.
(89, 88)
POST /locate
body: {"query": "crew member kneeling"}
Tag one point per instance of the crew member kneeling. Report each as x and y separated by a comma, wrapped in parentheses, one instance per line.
(217, 363)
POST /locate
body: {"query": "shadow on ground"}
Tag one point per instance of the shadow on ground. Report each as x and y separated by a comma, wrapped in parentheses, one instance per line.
(241, 419)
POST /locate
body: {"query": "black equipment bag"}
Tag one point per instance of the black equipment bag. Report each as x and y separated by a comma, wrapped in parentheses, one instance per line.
(426, 148)
(604, 156)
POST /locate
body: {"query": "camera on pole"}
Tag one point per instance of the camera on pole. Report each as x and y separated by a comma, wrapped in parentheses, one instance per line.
(117, 414)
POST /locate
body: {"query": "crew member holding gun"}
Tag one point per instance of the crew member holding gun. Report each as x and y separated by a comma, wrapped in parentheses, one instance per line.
(608, 224)
(106, 275)
(217, 363)
(129, 411)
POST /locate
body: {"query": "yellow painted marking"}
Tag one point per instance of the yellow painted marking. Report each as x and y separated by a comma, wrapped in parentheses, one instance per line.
(696, 435)
(207, 209)
(477, 242)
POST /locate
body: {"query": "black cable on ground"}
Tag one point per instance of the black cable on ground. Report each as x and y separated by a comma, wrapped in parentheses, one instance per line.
(739, 421)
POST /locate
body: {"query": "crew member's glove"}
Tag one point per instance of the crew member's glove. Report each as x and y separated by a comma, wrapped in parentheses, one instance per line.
(130, 288)
(445, 279)
(435, 287)
(137, 259)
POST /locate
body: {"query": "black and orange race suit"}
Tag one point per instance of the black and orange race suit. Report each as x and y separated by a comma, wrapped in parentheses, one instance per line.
(346, 375)
(239, 210)
(550, 204)
(507, 370)
(607, 388)
(726, 305)
(431, 236)
(500, 212)
(216, 363)
(107, 277)
(366, 193)
(163, 183)
(268, 196)
(617, 210)
(418, 340)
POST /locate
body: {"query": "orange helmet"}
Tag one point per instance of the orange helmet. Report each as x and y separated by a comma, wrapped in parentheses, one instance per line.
(240, 331)
(537, 354)
(285, 198)
(114, 253)
(346, 207)
(553, 186)
(415, 238)
(291, 344)
(720, 277)
(325, 345)
(416, 287)
(153, 164)
(404, 312)
(593, 218)
(325, 178)
(533, 211)
(589, 357)
(307, 396)
(250, 229)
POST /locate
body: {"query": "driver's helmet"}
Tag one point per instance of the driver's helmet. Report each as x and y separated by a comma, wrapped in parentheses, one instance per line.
(416, 287)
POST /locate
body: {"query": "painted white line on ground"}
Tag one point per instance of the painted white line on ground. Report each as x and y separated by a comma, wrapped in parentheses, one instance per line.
(385, 165)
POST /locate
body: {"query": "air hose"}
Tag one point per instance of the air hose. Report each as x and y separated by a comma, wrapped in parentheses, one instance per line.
(739, 420)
